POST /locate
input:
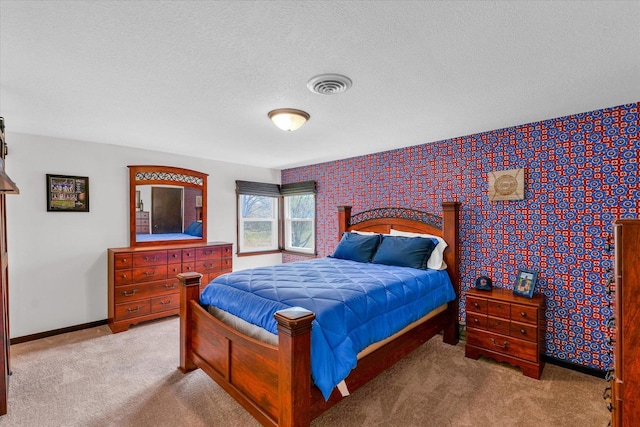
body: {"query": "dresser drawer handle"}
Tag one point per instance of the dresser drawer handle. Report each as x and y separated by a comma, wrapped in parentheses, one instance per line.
(123, 260)
(476, 320)
(207, 266)
(506, 343)
(123, 276)
(171, 286)
(129, 294)
(165, 302)
(146, 258)
(476, 305)
(188, 254)
(523, 332)
(523, 314)
(188, 267)
(207, 251)
(134, 310)
(146, 273)
(174, 256)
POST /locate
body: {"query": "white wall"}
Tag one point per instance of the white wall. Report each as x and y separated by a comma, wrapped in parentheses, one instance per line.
(58, 260)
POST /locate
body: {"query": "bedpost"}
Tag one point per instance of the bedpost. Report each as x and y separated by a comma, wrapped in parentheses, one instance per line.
(450, 217)
(344, 217)
(189, 291)
(294, 365)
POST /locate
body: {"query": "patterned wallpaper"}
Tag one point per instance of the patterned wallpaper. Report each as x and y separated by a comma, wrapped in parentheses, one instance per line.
(581, 174)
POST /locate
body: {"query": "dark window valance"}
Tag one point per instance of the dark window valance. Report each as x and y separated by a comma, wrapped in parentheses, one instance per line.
(275, 190)
(297, 188)
(257, 188)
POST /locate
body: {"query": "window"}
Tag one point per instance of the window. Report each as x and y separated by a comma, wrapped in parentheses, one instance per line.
(258, 223)
(274, 218)
(299, 223)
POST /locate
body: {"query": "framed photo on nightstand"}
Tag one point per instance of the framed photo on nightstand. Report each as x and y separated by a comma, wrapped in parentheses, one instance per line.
(525, 283)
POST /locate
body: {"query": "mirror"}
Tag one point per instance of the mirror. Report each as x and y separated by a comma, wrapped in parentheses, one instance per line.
(167, 205)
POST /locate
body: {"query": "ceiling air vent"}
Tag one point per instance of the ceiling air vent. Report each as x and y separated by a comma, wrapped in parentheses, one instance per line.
(329, 84)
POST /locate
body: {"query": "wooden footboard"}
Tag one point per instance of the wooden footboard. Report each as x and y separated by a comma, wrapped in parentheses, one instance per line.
(273, 383)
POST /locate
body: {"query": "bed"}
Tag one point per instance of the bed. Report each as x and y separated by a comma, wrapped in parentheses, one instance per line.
(191, 232)
(273, 381)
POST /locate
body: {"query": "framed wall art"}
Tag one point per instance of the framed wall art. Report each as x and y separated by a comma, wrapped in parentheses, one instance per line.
(506, 185)
(525, 283)
(67, 193)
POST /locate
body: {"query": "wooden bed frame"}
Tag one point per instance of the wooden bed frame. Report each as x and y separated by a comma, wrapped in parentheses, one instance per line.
(273, 383)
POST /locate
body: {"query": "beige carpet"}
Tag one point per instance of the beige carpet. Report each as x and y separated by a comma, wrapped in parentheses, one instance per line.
(95, 378)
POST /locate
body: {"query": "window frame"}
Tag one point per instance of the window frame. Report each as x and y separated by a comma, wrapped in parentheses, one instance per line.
(287, 227)
(279, 192)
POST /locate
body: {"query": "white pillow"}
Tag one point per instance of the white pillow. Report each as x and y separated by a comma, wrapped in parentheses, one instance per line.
(364, 233)
(436, 260)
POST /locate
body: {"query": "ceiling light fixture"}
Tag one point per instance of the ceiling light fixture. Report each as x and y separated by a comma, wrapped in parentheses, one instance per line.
(288, 119)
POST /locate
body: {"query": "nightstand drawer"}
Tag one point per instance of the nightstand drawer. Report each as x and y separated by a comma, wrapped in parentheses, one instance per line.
(498, 309)
(523, 313)
(524, 331)
(477, 305)
(498, 325)
(506, 345)
(475, 320)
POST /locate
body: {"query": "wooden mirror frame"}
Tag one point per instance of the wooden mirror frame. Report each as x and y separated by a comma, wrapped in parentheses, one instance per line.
(165, 175)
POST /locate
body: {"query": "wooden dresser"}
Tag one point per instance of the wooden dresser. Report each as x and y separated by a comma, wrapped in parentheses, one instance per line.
(625, 385)
(506, 327)
(142, 280)
(142, 222)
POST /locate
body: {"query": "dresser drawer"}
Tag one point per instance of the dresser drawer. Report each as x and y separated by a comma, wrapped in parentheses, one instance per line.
(212, 252)
(165, 302)
(475, 320)
(174, 256)
(524, 331)
(503, 344)
(498, 309)
(208, 266)
(477, 305)
(122, 277)
(523, 313)
(188, 255)
(122, 261)
(173, 270)
(124, 294)
(188, 267)
(226, 264)
(144, 259)
(226, 251)
(147, 274)
(132, 309)
(498, 325)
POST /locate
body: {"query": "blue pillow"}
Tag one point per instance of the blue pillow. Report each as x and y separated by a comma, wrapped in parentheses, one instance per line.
(194, 229)
(357, 247)
(404, 251)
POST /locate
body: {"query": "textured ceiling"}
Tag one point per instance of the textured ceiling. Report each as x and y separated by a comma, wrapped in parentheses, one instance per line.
(198, 78)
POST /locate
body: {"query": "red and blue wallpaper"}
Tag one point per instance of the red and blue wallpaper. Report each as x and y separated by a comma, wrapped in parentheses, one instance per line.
(581, 174)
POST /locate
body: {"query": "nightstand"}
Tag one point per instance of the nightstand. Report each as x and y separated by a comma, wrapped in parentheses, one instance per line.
(507, 328)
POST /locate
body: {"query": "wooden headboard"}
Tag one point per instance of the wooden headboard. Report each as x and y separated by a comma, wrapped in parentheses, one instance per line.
(382, 220)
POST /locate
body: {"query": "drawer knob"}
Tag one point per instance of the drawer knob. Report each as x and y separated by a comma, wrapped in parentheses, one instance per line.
(503, 345)
(523, 332)
(129, 294)
(124, 260)
(476, 320)
(134, 310)
(123, 276)
(175, 255)
(523, 314)
(476, 305)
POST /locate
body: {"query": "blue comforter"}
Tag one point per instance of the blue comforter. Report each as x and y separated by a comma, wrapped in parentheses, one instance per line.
(356, 304)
